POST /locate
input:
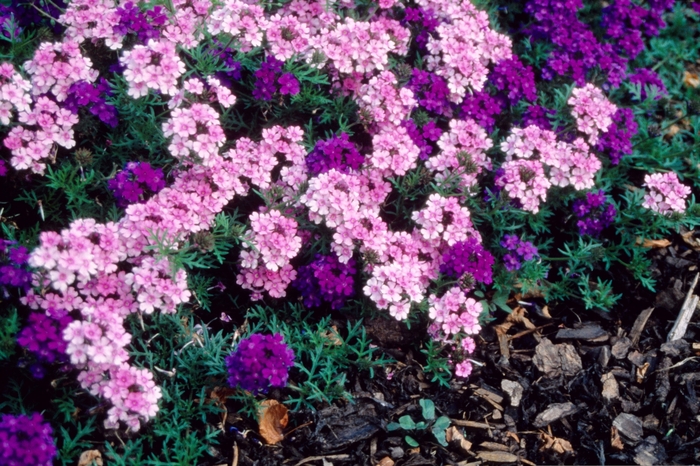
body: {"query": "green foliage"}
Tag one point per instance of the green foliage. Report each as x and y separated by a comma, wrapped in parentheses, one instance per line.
(323, 354)
(437, 426)
(436, 364)
(9, 327)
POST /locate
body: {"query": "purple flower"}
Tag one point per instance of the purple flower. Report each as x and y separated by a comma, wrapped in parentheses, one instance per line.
(468, 257)
(482, 108)
(647, 78)
(3, 168)
(510, 242)
(431, 92)
(260, 362)
(337, 153)
(43, 336)
(326, 279)
(130, 184)
(519, 250)
(617, 141)
(516, 78)
(594, 214)
(288, 84)
(511, 262)
(26, 440)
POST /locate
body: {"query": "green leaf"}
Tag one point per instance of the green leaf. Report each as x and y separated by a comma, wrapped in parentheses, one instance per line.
(428, 409)
(392, 426)
(443, 422)
(407, 423)
(440, 436)
(411, 441)
(420, 425)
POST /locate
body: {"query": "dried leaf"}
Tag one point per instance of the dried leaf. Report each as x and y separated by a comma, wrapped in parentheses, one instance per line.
(691, 79)
(332, 337)
(219, 395)
(273, 419)
(654, 243)
(615, 440)
(642, 372)
(90, 458)
(452, 434)
(691, 240)
(386, 461)
(555, 444)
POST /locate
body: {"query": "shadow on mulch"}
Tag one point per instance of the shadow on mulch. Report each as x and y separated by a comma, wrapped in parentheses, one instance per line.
(576, 388)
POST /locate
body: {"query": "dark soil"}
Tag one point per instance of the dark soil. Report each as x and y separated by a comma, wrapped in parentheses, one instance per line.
(556, 386)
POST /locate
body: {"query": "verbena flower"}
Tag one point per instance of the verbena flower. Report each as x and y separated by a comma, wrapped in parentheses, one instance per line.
(326, 279)
(666, 193)
(337, 153)
(260, 362)
(519, 250)
(594, 213)
(26, 440)
(43, 336)
(468, 257)
(130, 184)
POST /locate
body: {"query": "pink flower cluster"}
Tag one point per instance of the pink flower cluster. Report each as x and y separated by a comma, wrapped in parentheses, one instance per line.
(666, 193)
(592, 110)
(186, 24)
(393, 152)
(465, 142)
(242, 20)
(14, 93)
(445, 221)
(155, 65)
(464, 46)
(196, 133)
(92, 19)
(275, 239)
(569, 164)
(456, 312)
(286, 36)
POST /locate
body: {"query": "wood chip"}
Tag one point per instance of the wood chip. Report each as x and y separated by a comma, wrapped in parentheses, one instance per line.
(555, 360)
(611, 389)
(497, 456)
(589, 331)
(514, 391)
(687, 311)
(455, 437)
(691, 79)
(476, 425)
(653, 243)
(555, 444)
(630, 426)
(639, 325)
(554, 411)
(386, 461)
(493, 446)
(615, 440)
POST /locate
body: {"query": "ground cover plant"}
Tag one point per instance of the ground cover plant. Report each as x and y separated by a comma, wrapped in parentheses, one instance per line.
(249, 232)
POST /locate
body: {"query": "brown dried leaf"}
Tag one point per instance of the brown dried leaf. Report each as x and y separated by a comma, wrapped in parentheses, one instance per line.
(642, 372)
(452, 434)
(332, 337)
(691, 79)
(273, 419)
(690, 239)
(555, 444)
(615, 440)
(219, 395)
(386, 461)
(654, 243)
(90, 458)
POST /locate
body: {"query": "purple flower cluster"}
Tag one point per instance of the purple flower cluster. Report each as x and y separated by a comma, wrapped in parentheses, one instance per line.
(326, 279)
(517, 79)
(431, 92)
(421, 136)
(594, 213)
(270, 76)
(617, 141)
(3, 168)
(260, 362)
(537, 115)
(519, 250)
(645, 77)
(26, 440)
(233, 67)
(13, 265)
(133, 20)
(427, 22)
(483, 108)
(129, 184)
(576, 49)
(337, 153)
(43, 337)
(625, 22)
(468, 257)
(85, 94)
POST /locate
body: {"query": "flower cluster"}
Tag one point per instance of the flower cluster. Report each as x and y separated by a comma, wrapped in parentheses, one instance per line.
(286, 36)
(336, 153)
(468, 261)
(645, 78)
(666, 193)
(259, 363)
(516, 79)
(326, 279)
(85, 94)
(483, 108)
(13, 265)
(26, 440)
(536, 115)
(425, 19)
(431, 92)
(43, 337)
(455, 311)
(524, 181)
(129, 184)
(14, 93)
(617, 141)
(275, 238)
(444, 220)
(592, 110)
(594, 214)
(269, 79)
(421, 136)
(243, 21)
(196, 134)
(382, 103)
(145, 25)
(518, 250)
(155, 65)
